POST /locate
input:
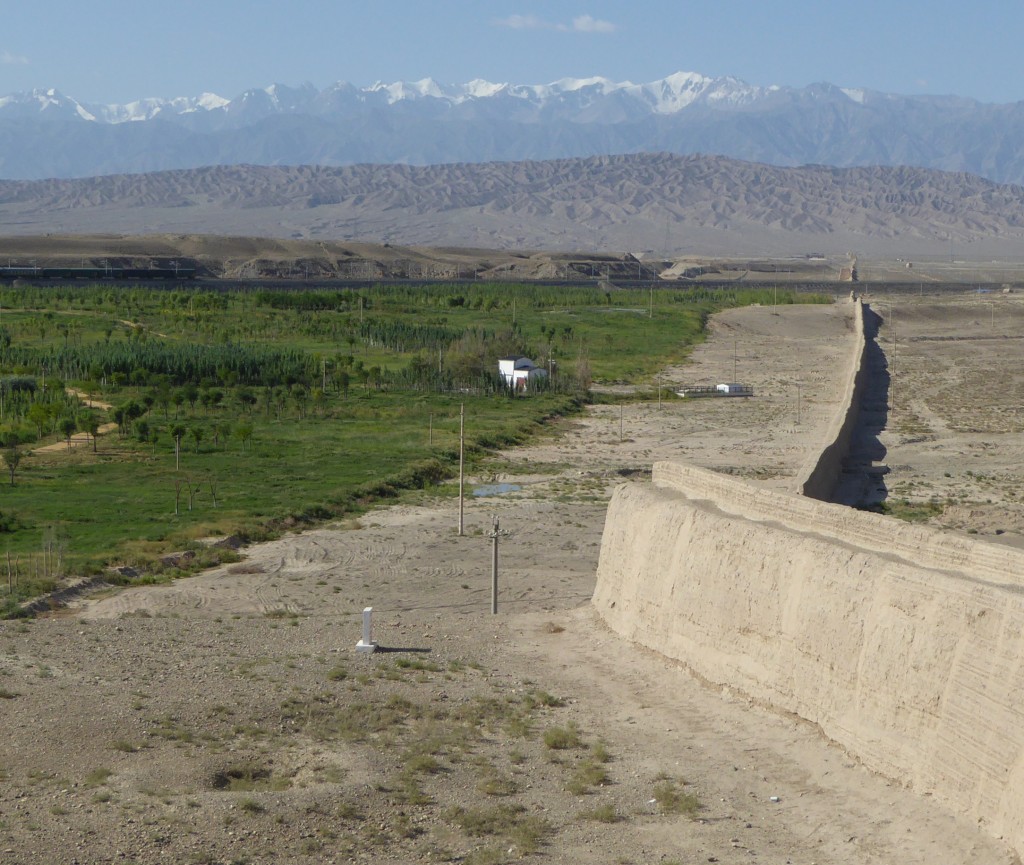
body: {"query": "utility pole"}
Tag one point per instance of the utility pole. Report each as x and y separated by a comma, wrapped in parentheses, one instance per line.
(494, 534)
(494, 567)
(462, 462)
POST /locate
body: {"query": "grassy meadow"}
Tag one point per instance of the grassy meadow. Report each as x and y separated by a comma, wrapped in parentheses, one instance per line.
(251, 412)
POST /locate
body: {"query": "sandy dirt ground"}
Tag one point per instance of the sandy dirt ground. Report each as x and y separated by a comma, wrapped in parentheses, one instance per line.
(124, 716)
(79, 439)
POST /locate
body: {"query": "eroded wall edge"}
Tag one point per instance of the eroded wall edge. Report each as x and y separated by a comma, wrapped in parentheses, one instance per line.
(904, 644)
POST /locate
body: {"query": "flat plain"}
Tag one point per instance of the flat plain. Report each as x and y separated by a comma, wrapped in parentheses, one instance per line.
(228, 717)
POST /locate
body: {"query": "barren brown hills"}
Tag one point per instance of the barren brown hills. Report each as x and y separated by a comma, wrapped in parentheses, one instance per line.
(644, 202)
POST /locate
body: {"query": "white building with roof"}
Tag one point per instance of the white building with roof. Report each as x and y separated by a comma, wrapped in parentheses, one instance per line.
(519, 372)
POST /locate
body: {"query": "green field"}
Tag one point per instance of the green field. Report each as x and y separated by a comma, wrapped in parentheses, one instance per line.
(284, 407)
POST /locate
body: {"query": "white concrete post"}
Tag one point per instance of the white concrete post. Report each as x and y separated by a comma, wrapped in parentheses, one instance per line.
(366, 644)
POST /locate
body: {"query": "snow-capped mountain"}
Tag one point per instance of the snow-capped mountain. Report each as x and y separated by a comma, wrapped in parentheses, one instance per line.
(427, 122)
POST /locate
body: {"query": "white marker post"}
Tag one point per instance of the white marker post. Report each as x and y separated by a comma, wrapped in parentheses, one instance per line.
(366, 644)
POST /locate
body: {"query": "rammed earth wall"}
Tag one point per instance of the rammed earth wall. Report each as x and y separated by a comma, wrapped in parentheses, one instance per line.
(903, 643)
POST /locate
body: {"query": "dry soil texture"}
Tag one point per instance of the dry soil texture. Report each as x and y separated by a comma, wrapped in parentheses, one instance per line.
(228, 718)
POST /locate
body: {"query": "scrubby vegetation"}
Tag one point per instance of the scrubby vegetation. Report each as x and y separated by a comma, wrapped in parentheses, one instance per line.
(248, 412)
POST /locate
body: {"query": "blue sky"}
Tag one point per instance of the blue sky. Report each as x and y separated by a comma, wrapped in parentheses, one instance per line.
(117, 51)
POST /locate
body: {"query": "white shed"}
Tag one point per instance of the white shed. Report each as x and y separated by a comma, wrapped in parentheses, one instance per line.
(518, 372)
(735, 389)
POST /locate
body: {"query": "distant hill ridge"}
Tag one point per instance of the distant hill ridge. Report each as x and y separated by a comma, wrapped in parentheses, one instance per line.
(44, 133)
(659, 202)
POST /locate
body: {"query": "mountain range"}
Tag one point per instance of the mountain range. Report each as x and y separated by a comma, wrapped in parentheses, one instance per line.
(662, 203)
(46, 134)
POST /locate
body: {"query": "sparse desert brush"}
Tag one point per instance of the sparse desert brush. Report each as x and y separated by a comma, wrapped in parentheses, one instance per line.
(495, 784)
(97, 777)
(602, 814)
(250, 806)
(278, 613)
(543, 698)
(673, 799)
(420, 763)
(417, 664)
(248, 776)
(524, 831)
(588, 775)
(563, 738)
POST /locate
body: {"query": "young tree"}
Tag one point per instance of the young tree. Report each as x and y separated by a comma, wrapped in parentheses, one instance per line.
(243, 432)
(197, 436)
(12, 459)
(89, 423)
(177, 433)
(39, 417)
(163, 398)
(301, 397)
(191, 393)
(178, 484)
(142, 431)
(67, 428)
(120, 418)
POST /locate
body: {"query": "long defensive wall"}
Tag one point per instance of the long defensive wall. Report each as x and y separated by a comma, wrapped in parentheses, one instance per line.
(904, 644)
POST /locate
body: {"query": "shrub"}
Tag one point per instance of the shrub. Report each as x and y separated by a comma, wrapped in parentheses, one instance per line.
(562, 738)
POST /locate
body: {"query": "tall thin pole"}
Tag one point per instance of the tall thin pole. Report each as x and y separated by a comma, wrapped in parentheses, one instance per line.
(620, 422)
(430, 433)
(734, 358)
(494, 568)
(462, 463)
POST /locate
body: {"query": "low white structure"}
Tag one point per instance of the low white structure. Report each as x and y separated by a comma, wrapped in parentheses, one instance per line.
(367, 644)
(519, 372)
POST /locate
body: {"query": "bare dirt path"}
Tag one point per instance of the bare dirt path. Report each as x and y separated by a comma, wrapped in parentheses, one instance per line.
(80, 438)
(170, 684)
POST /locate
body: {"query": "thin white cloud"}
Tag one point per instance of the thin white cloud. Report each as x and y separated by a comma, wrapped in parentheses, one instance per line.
(580, 24)
(8, 58)
(589, 24)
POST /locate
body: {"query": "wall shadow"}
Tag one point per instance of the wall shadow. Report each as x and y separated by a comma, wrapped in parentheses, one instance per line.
(863, 479)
